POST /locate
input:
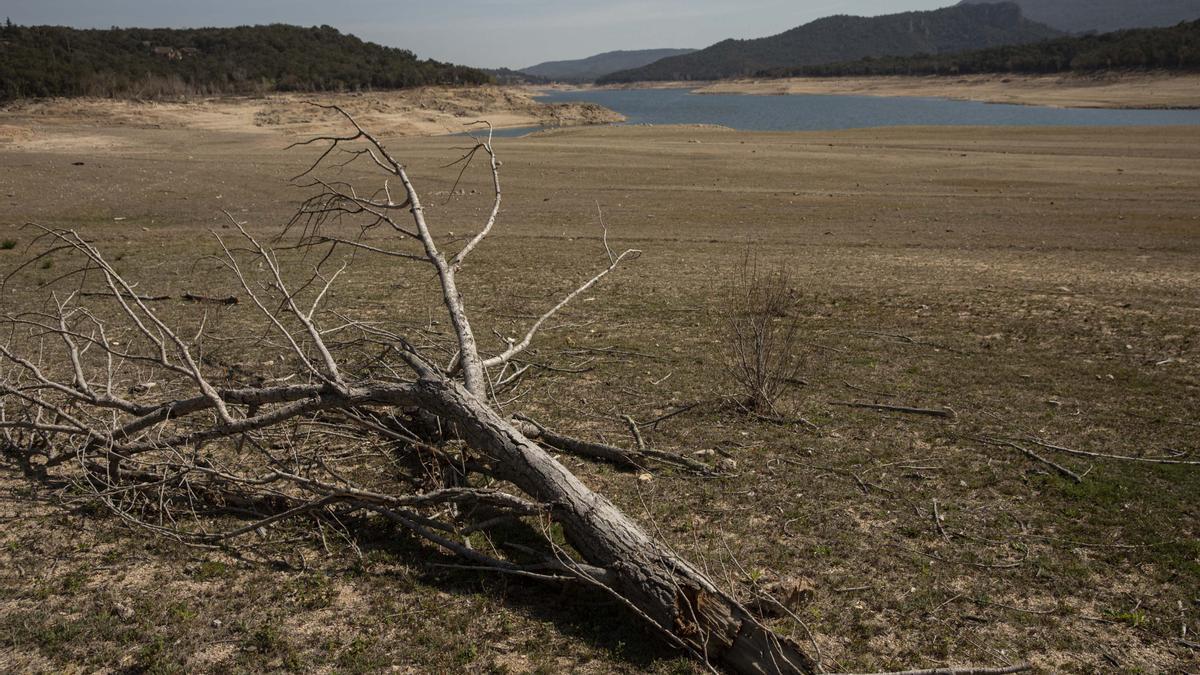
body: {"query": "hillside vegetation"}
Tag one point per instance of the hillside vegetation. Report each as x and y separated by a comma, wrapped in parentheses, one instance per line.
(40, 61)
(1081, 16)
(587, 70)
(1175, 48)
(846, 38)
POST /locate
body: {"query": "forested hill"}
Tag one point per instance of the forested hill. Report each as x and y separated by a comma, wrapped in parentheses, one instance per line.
(845, 38)
(1081, 16)
(153, 62)
(1174, 48)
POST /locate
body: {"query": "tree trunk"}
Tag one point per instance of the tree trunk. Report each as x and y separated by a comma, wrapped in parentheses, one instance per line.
(651, 578)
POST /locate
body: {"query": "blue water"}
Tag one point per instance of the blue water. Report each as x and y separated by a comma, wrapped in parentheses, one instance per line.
(810, 112)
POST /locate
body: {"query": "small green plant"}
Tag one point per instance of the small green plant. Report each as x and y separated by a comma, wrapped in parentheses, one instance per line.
(311, 591)
(73, 582)
(181, 612)
(265, 640)
(8, 244)
(1133, 618)
(209, 570)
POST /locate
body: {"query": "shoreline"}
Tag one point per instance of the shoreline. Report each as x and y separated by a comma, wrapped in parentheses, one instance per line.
(1124, 91)
(424, 111)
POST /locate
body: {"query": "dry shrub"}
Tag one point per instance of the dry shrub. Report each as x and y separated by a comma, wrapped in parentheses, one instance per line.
(762, 335)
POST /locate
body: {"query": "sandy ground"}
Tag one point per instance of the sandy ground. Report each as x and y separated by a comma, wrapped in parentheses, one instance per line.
(1037, 281)
(1071, 91)
(422, 112)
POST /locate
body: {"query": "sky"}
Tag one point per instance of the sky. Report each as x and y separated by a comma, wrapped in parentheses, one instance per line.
(485, 33)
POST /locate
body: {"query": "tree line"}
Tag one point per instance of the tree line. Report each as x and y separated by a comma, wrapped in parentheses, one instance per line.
(39, 61)
(1171, 48)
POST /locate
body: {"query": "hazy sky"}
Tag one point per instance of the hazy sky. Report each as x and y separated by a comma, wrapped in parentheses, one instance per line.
(489, 33)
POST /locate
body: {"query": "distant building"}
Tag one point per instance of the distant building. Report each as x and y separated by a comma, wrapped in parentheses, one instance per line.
(170, 53)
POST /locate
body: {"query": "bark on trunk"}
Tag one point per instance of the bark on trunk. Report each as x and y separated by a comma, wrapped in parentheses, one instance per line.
(667, 589)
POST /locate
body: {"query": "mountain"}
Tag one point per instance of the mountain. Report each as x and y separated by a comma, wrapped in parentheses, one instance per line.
(593, 67)
(846, 38)
(1081, 16)
(1172, 48)
(156, 62)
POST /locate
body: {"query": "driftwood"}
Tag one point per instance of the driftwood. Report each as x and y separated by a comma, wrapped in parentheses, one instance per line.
(193, 297)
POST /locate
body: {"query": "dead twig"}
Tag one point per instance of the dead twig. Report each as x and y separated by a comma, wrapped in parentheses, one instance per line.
(931, 412)
(1021, 668)
(143, 298)
(1102, 455)
(1034, 456)
(633, 429)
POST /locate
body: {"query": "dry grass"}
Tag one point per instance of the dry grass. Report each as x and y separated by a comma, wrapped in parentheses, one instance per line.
(1036, 281)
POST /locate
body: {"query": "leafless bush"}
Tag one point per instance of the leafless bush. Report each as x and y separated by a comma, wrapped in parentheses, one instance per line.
(763, 334)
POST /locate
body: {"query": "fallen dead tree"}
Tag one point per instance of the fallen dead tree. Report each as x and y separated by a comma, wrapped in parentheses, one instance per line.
(357, 419)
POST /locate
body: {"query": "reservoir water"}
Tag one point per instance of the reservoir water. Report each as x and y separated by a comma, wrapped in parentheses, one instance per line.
(808, 112)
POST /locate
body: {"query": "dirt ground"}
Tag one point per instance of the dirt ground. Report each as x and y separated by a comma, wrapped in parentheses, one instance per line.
(1063, 91)
(1037, 282)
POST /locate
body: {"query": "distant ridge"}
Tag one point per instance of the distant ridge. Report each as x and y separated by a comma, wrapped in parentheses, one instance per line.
(163, 62)
(846, 38)
(593, 67)
(1080, 16)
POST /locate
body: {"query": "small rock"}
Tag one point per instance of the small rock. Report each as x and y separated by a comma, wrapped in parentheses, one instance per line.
(125, 613)
(792, 594)
(645, 478)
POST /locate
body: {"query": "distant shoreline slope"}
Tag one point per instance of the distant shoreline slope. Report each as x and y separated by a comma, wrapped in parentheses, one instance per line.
(593, 67)
(846, 38)
(1174, 48)
(39, 61)
(508, 76)
(1103, 16)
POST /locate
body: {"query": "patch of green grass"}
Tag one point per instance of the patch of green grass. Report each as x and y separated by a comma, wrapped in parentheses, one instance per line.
(1176, 559)
(154, 657)
(362, 655)
(310, 591)
(8, 244)
(210, 570)
(72, 583)
(55, 635)
(1096, 491)
(265, 639)
(181, 612)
